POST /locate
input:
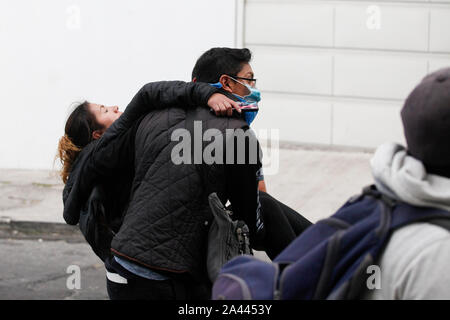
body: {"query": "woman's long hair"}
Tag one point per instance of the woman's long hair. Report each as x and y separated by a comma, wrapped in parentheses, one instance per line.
(78, 133)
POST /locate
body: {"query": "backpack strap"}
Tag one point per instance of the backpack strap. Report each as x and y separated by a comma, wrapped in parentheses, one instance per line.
(441, 222)
(406, 214)
(387, 207)
(438, 217)
(373, 192)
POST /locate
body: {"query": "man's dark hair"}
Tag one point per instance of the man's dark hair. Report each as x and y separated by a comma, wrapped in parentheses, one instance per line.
(218, 61)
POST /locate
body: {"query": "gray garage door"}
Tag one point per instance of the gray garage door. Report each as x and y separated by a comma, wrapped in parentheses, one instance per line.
(337, 72)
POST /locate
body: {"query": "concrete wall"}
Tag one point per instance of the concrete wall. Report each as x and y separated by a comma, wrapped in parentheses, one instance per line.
(56, 52)
(337, 72)
(332, 73)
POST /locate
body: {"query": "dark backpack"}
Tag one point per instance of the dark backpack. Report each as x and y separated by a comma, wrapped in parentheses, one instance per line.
(330, 259)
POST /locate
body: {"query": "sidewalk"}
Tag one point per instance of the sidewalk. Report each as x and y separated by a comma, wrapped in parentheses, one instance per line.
(313, 182)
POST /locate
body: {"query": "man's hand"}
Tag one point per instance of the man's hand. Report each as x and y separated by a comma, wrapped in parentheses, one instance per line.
(222, 105)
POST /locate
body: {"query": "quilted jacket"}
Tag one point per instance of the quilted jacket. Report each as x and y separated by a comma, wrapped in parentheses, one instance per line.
(167, 221)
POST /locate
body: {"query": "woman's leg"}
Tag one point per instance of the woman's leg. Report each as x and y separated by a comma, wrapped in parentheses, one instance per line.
(282, 224)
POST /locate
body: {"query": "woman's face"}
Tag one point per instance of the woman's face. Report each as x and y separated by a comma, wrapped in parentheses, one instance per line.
(105, 116)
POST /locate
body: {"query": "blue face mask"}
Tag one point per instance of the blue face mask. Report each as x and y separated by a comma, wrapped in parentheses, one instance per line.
(254, 96)
(251, 99)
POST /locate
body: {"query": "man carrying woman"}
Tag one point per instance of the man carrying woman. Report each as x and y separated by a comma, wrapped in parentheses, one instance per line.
(157, 211)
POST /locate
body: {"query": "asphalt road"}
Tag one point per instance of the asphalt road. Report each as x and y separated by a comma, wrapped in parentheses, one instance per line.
(40, 261)
(41, 264)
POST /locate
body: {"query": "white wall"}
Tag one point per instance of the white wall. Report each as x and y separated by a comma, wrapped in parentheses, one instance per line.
(56, 52)
(337, 72)
(326, 77)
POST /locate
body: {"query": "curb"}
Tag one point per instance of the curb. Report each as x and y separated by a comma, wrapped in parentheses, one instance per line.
(33, 230)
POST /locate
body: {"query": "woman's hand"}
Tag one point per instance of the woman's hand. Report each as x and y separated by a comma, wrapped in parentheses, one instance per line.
(222, 105)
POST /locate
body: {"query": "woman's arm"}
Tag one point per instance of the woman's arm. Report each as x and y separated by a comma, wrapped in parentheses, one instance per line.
(166, 94)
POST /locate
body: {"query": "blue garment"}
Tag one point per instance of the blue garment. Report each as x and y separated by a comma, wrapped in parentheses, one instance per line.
(140, 271)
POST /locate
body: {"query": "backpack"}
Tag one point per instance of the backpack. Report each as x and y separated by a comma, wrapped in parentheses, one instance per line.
(330, 259)
(226, 238)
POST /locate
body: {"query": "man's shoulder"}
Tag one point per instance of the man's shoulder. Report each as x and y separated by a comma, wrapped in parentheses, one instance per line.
(211, 120)
(407, 243)
(418, 236)
(413, 263)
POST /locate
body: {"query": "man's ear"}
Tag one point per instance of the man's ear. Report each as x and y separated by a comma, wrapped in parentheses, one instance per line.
(194, 79)
(226, 83)
(97, 134)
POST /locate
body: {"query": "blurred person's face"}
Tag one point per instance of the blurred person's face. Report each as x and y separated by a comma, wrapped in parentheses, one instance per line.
(105, 116)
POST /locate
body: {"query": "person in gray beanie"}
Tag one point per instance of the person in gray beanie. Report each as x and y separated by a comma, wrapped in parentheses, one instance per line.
(426, 122)
(414, 264)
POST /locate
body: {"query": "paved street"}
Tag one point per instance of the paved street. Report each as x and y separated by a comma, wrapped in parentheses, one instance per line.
(36, 269)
